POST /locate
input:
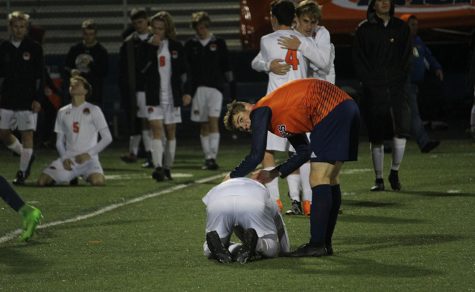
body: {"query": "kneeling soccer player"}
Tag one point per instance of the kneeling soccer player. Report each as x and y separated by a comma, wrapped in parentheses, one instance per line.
(244, 206)
(297, 107)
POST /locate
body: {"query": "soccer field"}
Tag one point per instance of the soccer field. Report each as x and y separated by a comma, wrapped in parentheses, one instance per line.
(136, 234)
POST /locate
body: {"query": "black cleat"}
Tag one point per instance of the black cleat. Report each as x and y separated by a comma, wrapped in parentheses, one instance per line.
(210, 164)
(329, 250)
(19, 179)
(248, 249)
(378, 185)
(147, 164)
(129, 158)
(394, 180)
(307, 250)
(158, 174)
(431, 145)
(296, 209)
(218, 251)
(167, 173)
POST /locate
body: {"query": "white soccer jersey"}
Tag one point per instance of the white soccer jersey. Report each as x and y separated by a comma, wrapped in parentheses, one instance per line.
(321, 36)
(80, 127)
(165, 70)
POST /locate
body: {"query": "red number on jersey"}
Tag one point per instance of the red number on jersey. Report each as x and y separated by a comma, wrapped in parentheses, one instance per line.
(162, 61)
(291, 59)
(75, 127)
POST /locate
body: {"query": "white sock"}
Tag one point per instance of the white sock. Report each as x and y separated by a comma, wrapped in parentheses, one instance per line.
(273, 186)
(305, 182)
(293, 180)
(399, 145)
(214, 144)
(205, 146)
(157, 152)
(472, 118)
(169, 157)
(134, 143)
(16, 146)
(147, 140)
(25, 158)
(267, 246)
(377, 154)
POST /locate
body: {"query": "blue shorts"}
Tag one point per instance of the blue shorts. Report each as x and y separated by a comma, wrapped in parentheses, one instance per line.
(335, 138)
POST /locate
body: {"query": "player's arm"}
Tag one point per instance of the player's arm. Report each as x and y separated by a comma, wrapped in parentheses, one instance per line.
(259, 124)
(318, 57)
(302, 154)
(323, 43)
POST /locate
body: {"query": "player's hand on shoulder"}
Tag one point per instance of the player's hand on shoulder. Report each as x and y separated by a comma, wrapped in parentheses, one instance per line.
(81, 158)
(290, 43)
(279, 67)
(264, 176)
(186, 99)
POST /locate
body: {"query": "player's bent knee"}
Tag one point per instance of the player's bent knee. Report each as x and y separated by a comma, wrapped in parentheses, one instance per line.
(268, 247)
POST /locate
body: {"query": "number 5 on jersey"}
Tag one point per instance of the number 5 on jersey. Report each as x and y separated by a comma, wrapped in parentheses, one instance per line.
(75, 127)
(291, 59)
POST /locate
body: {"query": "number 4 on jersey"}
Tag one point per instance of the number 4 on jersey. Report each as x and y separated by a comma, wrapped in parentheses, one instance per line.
(291, 59)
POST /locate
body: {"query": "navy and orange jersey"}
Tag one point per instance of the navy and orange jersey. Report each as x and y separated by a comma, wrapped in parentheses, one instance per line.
(299, 105)
(290, 111)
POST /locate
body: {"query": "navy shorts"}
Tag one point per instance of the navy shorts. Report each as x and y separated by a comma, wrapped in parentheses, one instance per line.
(335, 138)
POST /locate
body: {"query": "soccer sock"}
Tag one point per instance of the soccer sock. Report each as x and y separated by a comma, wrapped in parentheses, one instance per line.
(214, 144)
(336, 203)
(9, 195)
(377, 154)
(157, 152)
(305, 182)
(320, 213)
(134, 143)
(16, 146)
(399, 145)
(273, 186)
(147, 140)
(293, 180)
(268, 247)
(25, 158)
(205, 146)
(169, 157)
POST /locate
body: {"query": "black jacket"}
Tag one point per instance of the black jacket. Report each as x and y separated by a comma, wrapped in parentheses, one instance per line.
(178, 78)
(22, 72)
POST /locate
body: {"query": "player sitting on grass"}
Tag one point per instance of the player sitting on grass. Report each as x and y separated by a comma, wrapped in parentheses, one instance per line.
(77, 126)
(244, 206)
(31, 216)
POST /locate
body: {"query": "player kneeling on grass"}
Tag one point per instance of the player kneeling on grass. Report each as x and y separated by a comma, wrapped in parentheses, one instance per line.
(31, 216)
(297, 107)
(77, 127)
(244, 206)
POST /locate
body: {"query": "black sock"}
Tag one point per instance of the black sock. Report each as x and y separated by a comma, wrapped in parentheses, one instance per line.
(320, 213)
(9, 195)
(336, 203)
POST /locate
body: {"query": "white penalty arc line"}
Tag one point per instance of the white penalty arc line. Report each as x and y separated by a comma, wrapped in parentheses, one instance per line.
(14, 234)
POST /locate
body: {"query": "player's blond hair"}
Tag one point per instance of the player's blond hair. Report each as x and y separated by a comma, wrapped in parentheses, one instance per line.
(233, 108)
(200, 17)
(18, 15)
(76, 75)
(166, 18)
(309, 8)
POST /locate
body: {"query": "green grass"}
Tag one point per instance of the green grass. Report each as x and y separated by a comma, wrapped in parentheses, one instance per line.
(419, 239)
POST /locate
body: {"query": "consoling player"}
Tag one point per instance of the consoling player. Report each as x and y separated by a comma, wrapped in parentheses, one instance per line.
(300, 106)
(77, 127)
(244, 206)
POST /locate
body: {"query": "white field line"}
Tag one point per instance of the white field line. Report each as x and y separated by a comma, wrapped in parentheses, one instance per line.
(14, 234)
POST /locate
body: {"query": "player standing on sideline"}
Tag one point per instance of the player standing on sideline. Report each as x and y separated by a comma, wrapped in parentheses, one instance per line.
(164, 79)
(77, 127)
(31, 216)
(245, 206)
(270, 59)
(133, 57)
(381, 56)
(91, 59)
(21, 86)
(207, 56)
(292, 110)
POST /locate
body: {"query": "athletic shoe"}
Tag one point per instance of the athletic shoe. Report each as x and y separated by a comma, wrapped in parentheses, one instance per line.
(378, 185)
(129, 158)
(306, 207)
(280, 205)
(394, 180)
(167, 173)
(210, 164)
(248, 249)
(429, 146)
(218, 251)
(158, 174)
(31, 218)
(295, 209)
(329, 250)
(307, 250)
(19, 179)
(147, 164)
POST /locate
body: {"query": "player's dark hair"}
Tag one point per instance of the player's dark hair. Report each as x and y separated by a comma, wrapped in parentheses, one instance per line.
(284, 11)
(232, 109)
(137, 13)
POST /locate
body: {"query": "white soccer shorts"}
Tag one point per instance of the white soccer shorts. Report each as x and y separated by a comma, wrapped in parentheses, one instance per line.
(206, 103)
(62, 176)
(21, 120)
(168, 113)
